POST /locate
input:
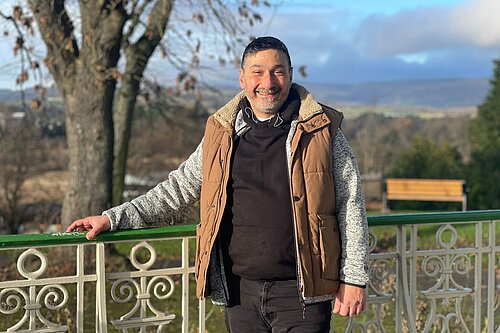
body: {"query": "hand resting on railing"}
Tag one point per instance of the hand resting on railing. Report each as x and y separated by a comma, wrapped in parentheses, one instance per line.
(93, 224)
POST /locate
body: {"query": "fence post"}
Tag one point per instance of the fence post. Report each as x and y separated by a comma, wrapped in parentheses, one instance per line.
(404, 301)
(80, 294)
(185, 285)
(100, 297)
(492, 290)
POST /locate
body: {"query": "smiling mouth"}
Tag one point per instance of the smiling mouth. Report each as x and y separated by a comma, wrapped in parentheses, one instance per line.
(267, 93)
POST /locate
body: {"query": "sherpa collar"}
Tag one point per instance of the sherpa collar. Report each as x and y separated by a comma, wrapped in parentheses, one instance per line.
(226, 115)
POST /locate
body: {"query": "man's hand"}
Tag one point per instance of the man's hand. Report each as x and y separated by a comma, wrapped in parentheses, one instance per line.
(93, 224)
(350, 300)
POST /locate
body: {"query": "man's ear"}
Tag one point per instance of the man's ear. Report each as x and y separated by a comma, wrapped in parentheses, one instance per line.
(242, 81)
(291, 73)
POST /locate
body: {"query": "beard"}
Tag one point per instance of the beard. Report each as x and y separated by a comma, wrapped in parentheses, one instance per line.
(271, 105)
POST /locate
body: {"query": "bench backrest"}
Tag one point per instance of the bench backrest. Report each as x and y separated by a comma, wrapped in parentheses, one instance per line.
(451, 190)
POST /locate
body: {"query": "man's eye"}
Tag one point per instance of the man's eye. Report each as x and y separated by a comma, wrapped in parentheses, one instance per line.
(257, 73)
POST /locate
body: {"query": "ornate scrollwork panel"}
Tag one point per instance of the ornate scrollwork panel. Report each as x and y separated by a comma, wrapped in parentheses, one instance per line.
(144, 289)
(446, 322)
(382, 278)
(446, 294)
(376, 307)
(372, 241)
(496, 302)
(381, 290)
(52, 297)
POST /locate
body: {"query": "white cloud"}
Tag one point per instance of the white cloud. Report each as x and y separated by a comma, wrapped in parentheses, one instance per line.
(315, 38)
(414, 43)
(478, 21)
(323, 58)
(473, 24)
(414, 58)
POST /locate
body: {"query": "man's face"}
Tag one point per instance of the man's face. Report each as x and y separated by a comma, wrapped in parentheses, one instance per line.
(266, 79)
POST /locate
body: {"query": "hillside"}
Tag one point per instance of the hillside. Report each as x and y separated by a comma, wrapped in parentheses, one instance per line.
(433, 94)
(437, 94)
(14, 96)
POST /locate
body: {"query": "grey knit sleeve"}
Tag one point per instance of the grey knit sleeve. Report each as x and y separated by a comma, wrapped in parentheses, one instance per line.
(351, 213)
(156, 207)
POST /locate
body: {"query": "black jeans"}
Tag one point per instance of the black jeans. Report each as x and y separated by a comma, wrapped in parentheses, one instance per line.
(274, 307)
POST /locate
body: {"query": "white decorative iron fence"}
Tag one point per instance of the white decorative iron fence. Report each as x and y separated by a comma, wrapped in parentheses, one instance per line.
(429, 273)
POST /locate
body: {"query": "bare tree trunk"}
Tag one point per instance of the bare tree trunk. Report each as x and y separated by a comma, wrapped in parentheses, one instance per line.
(137, 56)
(90, 145)
(85, 76)
(125, 104)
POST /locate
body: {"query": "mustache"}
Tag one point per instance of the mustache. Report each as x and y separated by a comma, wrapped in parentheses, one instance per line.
(268, 91)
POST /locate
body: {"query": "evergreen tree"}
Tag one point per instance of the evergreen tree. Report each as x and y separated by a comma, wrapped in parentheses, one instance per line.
(425, 159)
(484, 167)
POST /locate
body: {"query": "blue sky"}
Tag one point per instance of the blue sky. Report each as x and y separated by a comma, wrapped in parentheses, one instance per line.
(355, 41)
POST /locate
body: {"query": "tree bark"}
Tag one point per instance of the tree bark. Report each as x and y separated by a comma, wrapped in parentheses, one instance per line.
(90, 141)
(85, 79)
(137, 56)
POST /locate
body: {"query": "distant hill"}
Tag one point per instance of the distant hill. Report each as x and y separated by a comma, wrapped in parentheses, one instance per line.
(421, 93)
(14, 96)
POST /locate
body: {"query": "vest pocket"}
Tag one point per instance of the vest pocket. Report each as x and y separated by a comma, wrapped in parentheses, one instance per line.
(329, 243)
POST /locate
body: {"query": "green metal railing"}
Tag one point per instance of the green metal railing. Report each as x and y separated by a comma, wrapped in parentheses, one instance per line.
(33, 240)
(65, 238)
(429, 271)
(427, 218)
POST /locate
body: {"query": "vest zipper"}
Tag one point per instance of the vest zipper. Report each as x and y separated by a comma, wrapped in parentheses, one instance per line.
(297, 255)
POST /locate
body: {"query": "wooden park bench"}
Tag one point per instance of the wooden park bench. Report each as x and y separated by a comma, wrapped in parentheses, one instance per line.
(450, 190)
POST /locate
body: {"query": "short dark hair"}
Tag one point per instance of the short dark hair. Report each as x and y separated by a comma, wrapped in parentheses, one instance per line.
(265, 43)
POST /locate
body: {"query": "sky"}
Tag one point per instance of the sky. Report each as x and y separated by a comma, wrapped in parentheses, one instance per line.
(355, 41)
(358, 41)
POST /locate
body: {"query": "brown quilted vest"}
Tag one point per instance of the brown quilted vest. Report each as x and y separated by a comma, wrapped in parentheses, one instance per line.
(317, 238)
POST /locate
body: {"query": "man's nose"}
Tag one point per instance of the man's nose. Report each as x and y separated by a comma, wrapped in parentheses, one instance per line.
(267, 81)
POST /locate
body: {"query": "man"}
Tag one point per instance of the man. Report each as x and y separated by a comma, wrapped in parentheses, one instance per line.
(283, 227)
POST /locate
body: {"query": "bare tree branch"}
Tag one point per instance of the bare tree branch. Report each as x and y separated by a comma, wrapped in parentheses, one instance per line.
(137, 54)
(57, 31)
(102, 28)
(25, 52)
(135, 15)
